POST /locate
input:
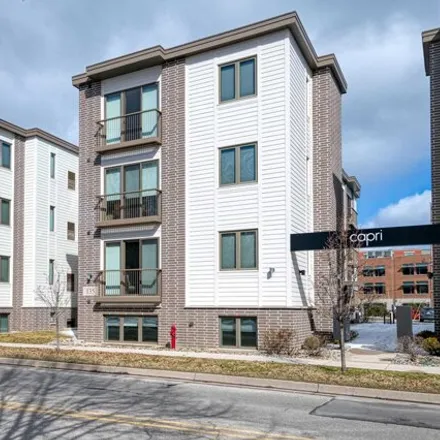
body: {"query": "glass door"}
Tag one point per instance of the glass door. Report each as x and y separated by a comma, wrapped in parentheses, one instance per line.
(112, 269)
(133, 117)
(150, 183)
(113, 194)
(113, 118)
(132, 268)
(150, 260)
(132, 193)
(150, 117)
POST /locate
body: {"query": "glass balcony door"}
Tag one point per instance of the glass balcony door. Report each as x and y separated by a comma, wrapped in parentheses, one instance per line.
(113, 117)
(112, 272)
(133, 128)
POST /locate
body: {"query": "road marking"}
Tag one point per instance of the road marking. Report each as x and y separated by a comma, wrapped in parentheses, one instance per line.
(161, 424)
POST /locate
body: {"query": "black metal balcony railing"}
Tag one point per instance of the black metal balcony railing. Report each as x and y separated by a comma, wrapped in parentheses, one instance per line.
(129, 129)
(142, 204)
(135, 283)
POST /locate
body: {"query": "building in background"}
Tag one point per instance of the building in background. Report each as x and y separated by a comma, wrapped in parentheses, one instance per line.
(431, 51)
(204, 158)
(38, 223)
(398, 277)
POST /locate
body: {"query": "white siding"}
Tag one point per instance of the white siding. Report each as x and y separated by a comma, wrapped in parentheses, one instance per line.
(6, 232)
(41, 192)
(267, 119)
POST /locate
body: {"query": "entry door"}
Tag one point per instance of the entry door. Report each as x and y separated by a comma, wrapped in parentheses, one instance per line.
(150, 260)
(133, 117)
(113, 269)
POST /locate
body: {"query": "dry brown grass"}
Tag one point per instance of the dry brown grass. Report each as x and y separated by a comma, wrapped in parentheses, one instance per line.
(390, 380)
(40, 337)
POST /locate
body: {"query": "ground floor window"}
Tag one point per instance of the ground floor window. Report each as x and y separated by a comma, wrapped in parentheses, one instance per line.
(238, 332)
(4, 323)
(131, 328)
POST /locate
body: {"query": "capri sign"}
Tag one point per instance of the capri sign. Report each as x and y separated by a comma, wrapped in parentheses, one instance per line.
(369, 238)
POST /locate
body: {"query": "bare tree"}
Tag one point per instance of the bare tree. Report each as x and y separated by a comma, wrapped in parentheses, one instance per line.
(54, 295)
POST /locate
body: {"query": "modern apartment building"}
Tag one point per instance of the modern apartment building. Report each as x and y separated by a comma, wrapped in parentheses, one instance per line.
(431, 50)
(196, 164)
(38, 224)
(399, 277)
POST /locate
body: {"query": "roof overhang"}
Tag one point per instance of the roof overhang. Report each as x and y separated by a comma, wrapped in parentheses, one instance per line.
(37, 132)
(158, 55)
(353, 183)
(429, 37)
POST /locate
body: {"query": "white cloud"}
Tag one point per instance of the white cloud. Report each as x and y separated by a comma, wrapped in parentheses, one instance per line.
(411, 210)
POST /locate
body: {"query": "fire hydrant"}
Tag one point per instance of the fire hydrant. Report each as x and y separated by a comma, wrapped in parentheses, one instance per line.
(173, 333)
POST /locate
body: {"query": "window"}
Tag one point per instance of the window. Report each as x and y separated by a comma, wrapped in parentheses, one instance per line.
(71, 180)
(238, 332)
(379, 288)
(408, 269)
(70, 231)
(238, 250)
(4, 269)
(5, 212)
(238, 80)
(71, 282)
(421, 268)
(379, 271)
(368, 288)
(387, 254)
(51, 271)
(52, 165)
(368, 271)
(422, 287)
(408, 253)
(426, 251)
(5, 155)
(4, 323)
(131, 329)
(52, 219)
(408, 287)
(238, 164)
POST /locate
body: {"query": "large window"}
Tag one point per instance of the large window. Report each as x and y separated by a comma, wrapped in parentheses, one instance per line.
(379, 288)
(238, 332)
(70, 231)
(4, 269)
(52, 218)
(238, 250)
(408, 269)
(368, 288)
(52, 165)
(238, 79)
(238, 164)
(379, 271)
(5, 212)
(422, 287)
(421, 268)
(71, 181)
(5, 155)
(4, 323)
(408, 287)
(131, 329)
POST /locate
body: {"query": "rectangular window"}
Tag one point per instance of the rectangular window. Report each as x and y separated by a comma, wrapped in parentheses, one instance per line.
(71, 183)
(52, 165)
(112, 328)
(149, 329)
(408, 288)
(4, 269)
(408, 253)
(70, 231)
(408, 269)
(5, 157)
(238, 79)
(421, 268)
(52, 219)
(238, 164)
(71, 282)
(5, 212)
(4, 323)
(379, 271)
(368, 288)
(238, 332)
(131, 329)
(238, 250)
(51, 271)
(422, 287)
(367, 271)
(380, 288)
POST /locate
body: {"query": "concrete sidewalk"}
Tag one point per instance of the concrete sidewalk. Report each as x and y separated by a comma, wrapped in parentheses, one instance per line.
(355, 359)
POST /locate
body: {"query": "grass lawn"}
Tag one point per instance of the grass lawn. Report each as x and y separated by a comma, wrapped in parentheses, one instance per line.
(390, 380)
(40, 337)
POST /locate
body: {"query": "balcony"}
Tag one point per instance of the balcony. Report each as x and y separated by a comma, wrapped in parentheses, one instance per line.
(134, 129)
(352, 217)
(130, 208)
(129, 286)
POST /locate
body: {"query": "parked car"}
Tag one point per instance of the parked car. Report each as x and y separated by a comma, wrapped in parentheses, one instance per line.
(426, 314)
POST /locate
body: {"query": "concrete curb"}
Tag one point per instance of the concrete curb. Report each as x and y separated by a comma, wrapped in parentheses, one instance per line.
(239, 381)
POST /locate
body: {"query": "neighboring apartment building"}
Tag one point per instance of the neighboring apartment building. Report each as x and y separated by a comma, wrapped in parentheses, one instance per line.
(431, 50)
(397, 277)
(196, 164)
(38, 226)
(351, 191)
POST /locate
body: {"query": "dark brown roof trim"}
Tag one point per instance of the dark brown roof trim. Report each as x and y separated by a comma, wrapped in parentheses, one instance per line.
(429, 37)
(157, 54)
(36, 132)
(352, 182)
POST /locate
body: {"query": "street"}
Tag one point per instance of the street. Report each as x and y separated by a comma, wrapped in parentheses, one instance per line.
(54, 404)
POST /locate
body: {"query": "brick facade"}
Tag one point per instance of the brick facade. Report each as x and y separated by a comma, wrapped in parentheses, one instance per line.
(327, 174)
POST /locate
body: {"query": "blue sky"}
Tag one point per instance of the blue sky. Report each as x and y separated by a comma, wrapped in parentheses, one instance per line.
(378, 43)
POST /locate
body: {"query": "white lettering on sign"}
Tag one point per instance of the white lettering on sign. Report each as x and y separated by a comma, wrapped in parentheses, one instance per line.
(89, 291)
(366, 238)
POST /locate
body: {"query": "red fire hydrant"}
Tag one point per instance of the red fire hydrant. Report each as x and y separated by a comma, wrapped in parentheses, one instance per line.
(173, 333)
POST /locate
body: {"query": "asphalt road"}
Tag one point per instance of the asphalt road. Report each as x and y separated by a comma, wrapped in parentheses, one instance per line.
(51, 404)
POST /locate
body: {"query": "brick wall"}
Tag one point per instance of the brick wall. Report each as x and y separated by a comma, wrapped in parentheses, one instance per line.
(435, 158)
(327, 174)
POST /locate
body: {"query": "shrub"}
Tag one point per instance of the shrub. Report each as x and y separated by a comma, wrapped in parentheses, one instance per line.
(410, 346)
(279, 342)
(425, 334)
(375, 309)
(313, 345)
(432, 346)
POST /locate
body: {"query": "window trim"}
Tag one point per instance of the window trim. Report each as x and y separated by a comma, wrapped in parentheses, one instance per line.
(236, 63)
(237, 332)
(69, 231)
(237, 150)
(4, 257)
(238, 250)
(121, 329)
(69, 186)
(2, 142)
(9, 217)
